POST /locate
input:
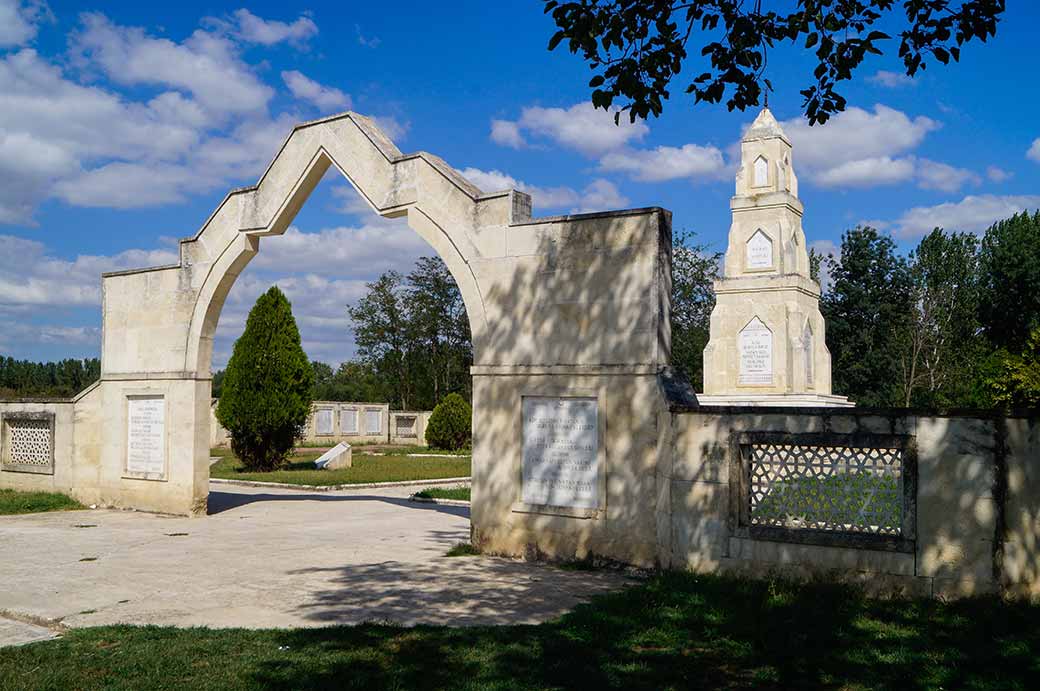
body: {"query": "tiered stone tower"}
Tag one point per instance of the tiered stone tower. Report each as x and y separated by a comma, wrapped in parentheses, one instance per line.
(767, 334)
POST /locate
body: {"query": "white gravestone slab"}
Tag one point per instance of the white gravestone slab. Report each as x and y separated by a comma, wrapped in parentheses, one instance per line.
(759, 251)
(323, 421)
(146, 435)
(755, 345)
(560, 452)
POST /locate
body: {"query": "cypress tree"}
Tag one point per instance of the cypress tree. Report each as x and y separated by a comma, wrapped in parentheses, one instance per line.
(266, 395)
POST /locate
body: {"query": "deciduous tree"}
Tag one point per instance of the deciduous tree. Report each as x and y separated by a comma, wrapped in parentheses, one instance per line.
(635, 48)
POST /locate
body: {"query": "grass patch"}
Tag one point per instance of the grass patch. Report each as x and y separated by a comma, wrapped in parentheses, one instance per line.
(15, 502)
(854, 498)
(367, 468)
(462, 549)
(676, 631)
(457, 493)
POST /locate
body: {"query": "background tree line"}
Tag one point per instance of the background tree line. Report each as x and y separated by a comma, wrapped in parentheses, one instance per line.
(413, 343)
(23, 378)
(954, 324)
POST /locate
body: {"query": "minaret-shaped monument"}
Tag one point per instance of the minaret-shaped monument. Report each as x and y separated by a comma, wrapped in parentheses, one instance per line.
(767, 334)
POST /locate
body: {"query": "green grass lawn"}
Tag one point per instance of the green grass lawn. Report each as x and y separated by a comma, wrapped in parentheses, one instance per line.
(12, 502)
(677, 631)
(458, 493)
(853, 498)
(367, 468)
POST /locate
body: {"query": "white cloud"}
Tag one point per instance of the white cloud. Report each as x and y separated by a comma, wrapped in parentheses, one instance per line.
(325, 97)
(998, 174)
(392, 127)
(541, 197)
(856, 134)
(665, 162)
(581, 127)
(974, 213)
(867, 172)
(1034, 151)
(31, 275)
(372, 42)
(507, 133)
(247, 27)
(601, 195)
(19, 20)
(206, 65)
(598, 195)
(859, 148)
(891, 80)
(932, 175)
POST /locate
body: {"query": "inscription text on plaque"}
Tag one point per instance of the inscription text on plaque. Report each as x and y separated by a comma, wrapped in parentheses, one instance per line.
(560, 464)
(146, 436)
(755, 344)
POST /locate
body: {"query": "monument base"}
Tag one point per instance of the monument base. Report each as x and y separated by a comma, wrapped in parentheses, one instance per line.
(799, 400)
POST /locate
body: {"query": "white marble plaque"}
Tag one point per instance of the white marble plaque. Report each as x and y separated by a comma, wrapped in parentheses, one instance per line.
(560, 452)
(323, 421)
(348, 421)
(761, 172)
(759, 251)
(755, 345)
(373, 421)
(146, 436)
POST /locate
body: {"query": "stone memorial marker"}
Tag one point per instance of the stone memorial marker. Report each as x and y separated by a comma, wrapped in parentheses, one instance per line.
(760, 251)
(560, 464)
(756, 354)
(348, 421)
(146, 436)
(373, 421)
(339, 456)
(323, 421)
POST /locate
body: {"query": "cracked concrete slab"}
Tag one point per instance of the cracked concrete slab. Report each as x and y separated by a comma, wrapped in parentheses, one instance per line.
(276, 558)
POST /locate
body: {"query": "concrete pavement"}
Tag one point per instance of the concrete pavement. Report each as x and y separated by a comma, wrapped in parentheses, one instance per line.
(275, 558)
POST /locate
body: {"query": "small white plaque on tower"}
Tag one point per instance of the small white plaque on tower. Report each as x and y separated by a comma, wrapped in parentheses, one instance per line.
(755, 344)
(759, 251)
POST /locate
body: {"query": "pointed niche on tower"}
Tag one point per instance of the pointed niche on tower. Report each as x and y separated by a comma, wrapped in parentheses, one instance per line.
(767, 334)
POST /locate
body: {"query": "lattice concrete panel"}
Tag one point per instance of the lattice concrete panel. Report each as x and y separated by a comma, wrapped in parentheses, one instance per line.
(405, 426)
(832, 488)
(28, 443)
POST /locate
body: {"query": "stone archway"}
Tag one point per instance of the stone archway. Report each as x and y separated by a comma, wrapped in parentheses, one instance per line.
(560, 307)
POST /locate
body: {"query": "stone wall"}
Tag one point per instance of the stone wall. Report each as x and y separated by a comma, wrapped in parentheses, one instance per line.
(352, 422)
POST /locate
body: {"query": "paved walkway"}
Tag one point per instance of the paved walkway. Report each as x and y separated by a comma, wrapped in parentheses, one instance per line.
(275, 558)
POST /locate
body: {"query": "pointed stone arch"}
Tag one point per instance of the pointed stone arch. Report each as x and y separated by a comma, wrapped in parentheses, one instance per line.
(546, 298)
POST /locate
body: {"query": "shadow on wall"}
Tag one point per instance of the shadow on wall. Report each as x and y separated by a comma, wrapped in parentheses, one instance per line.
(977, 500)
(577, 306)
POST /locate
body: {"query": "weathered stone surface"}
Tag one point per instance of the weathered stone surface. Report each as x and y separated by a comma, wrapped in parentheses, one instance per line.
(339, 456)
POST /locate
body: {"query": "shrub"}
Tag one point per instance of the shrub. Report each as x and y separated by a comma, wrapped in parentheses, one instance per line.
(450, 426)
(266, 397)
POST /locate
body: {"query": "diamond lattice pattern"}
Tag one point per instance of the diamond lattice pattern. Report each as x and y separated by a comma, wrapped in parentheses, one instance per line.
(30, 442)
(832, 488)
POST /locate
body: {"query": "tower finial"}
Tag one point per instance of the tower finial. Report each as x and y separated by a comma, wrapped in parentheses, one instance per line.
(766, 105)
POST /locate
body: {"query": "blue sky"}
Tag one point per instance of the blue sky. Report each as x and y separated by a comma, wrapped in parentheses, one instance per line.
(122, 126)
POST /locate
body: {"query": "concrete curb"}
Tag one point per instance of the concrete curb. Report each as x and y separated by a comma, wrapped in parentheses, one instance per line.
(446, 502)
(334, 488)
